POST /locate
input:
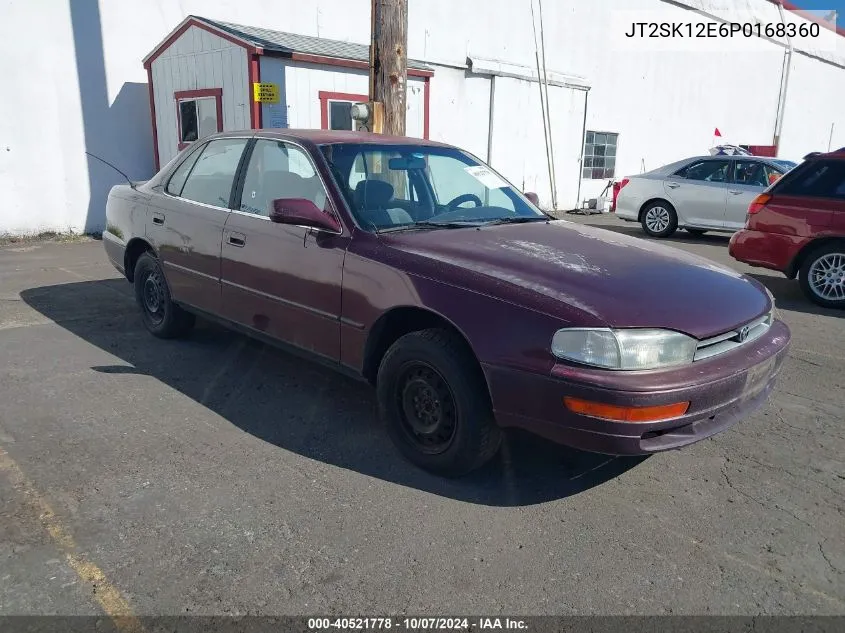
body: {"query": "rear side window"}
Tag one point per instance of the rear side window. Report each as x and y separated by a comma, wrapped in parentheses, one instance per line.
(210, 181)
(180, 175)
(706, 171)
(815, 179)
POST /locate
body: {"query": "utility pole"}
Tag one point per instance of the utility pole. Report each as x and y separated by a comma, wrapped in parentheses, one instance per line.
(388, 65)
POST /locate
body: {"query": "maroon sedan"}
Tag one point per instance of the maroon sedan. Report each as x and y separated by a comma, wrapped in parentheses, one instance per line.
(416, 267)
(797, 226)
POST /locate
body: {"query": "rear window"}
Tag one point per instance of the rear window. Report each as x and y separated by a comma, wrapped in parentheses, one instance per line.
(815, 179)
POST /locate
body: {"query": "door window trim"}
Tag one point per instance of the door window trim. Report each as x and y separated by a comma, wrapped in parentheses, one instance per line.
(728, 173)
(201, 147)
(763, 164)
(240, 178)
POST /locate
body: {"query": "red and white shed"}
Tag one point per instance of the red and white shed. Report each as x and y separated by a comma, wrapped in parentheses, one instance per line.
(209, 76)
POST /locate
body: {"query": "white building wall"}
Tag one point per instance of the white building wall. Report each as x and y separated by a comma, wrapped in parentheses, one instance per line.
(196, 60)
(460, 106)
(81, 86)
(815, 102)
(300, 85)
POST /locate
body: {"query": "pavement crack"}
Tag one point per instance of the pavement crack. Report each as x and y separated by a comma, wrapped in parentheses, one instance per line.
(804, 360)
(762, 504)
(827, 560)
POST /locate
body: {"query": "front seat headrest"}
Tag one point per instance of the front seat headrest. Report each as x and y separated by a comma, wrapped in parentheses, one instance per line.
(373, 194)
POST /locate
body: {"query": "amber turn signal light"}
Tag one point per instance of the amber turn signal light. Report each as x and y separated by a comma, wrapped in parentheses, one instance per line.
(758, 203)
(625, 414)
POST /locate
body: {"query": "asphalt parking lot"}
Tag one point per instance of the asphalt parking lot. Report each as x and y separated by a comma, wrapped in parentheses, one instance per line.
(220, 476)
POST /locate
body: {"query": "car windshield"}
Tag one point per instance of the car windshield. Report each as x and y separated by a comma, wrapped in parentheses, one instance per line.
(404, 187)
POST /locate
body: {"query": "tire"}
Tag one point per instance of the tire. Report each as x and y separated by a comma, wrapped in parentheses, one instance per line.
(696, 232)
(822, 275)
(433, 399)
(659, 219)
(161, 316)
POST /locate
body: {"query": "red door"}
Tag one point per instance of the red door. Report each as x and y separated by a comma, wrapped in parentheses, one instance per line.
(282, 280)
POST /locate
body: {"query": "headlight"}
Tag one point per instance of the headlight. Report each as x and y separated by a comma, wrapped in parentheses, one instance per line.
(624, 349)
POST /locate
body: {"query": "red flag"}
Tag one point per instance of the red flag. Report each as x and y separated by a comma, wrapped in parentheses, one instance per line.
(717, 132)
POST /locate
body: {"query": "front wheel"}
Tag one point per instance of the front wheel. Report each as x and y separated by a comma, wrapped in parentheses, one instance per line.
(433, 399)
(161, 316)
(659, 219)
(822, 276)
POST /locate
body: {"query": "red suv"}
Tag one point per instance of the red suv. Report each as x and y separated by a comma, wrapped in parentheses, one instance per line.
(797, 226)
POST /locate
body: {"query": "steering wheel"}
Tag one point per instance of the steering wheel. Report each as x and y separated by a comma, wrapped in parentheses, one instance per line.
(464, 197)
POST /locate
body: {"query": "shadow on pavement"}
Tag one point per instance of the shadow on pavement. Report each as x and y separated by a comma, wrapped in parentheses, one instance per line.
(679, 237)
(304, 407)
(788, 295)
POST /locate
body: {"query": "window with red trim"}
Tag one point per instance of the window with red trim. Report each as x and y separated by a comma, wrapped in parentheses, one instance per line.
(199, 113)
(336, 109)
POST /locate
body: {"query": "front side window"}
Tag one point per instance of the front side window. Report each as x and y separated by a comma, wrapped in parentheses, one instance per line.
(210, 181)
(706, 171)
(279, 170)
(407, 186)
(197, 119)
(817, 179)
(600, 155)
(751, 172)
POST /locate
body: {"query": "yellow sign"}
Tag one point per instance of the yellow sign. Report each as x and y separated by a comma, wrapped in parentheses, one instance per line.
(265, 93)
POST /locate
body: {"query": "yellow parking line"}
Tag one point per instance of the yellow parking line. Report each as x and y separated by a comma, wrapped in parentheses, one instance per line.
(113, 604)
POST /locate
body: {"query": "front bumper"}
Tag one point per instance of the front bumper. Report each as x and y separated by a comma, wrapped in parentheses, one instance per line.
(721, 390)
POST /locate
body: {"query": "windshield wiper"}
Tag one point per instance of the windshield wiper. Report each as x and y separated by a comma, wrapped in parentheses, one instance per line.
(516, 220)
(430, 224)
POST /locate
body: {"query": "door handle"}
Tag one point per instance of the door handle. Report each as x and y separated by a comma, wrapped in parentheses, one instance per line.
(672, 185)
(236, 239)
(158, 218)
(734, 192)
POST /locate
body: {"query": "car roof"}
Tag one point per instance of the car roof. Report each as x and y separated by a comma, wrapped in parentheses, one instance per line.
(728, 156)
(836, 154)
(323, 137)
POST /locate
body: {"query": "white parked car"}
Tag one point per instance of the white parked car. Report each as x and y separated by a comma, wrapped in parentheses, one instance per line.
(703, 193)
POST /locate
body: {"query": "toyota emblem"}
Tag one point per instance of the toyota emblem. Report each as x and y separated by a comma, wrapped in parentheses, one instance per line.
(743, 333)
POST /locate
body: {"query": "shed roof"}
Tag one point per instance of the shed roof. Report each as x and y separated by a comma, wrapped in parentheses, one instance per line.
(279, 42)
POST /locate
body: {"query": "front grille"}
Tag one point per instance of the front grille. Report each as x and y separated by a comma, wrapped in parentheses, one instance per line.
(722, 343)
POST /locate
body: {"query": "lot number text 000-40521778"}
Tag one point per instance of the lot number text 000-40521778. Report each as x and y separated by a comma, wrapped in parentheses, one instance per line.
(416, 623)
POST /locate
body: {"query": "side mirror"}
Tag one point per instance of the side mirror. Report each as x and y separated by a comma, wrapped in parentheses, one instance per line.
(302, 212)
(533, 197)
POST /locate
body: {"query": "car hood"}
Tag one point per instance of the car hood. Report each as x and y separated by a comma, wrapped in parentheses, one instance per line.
(610, 278)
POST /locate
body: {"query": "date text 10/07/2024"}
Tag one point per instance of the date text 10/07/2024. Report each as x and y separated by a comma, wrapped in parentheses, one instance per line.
(417, 624)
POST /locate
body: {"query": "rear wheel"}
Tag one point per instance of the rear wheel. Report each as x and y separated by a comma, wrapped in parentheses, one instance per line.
(696, 232)
(434, 402)
(659, 219)
(161, 316)
(822, 276)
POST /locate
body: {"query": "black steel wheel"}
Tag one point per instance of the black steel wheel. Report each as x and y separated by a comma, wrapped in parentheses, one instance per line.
(161, 316)
(434, 402)
(426, 407)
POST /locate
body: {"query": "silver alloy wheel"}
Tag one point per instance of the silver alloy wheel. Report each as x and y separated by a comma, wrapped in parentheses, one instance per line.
(657, 219)
(826, 277)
